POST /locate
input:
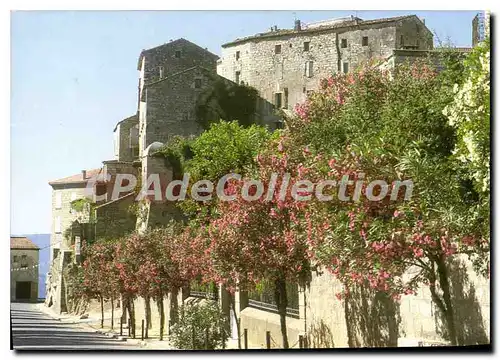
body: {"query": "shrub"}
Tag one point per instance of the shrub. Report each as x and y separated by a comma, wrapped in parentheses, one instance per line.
(190, 332)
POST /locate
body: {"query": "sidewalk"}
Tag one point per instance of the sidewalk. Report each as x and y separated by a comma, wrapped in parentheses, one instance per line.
(93, 324)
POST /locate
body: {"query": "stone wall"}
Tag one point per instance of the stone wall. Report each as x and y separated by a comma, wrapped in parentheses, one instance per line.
(372, 319)
(123, 149)
(115, 218)
(259, 66)
(69, 192)
(175, 57)
(26, 274)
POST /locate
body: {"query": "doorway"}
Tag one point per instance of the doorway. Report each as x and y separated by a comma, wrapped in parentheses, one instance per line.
(23, 290)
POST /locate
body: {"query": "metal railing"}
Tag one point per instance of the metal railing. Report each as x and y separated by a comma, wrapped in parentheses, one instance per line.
(293, 312)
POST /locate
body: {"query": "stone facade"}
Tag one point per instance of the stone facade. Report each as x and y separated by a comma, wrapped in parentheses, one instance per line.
(284, 65)
(168, 78)
(126, 139)
(24, 260)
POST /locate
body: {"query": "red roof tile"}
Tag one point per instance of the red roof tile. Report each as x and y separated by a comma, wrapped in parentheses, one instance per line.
(21, 242)
(78, 178)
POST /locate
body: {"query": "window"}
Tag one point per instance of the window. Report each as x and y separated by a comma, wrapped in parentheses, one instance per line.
(57, 224)
(401, 40)
(58, 200)
(197, 83)
(237, 77)
(277, 49)
(285, 91)
(308, 69)
(364, 42)
(15, 259)
(418, 43)
(343, 43)
(178, 54)
(345, 68)
(304, 89)
(24, 261)
(306, 45)
(237, 55)
(277, 100)
(160, 70)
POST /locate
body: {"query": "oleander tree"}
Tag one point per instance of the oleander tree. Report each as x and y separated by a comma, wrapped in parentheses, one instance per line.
(261, 239)
(387, 128)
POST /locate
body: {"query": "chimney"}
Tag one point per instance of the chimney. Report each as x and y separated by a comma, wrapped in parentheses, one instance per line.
(297, 25)
(84, 174)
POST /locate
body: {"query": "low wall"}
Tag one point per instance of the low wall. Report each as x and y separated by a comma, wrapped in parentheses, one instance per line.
(258, 322)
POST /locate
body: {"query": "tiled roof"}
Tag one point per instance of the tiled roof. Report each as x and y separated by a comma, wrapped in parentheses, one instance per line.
(21, 242)
(339, 25)
(78, 178)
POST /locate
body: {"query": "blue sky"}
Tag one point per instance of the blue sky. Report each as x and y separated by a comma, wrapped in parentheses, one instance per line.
(74, 77)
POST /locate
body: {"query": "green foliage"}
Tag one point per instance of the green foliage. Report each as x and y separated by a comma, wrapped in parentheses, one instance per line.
(226, 147)
(470, 115)
(191, 329)
(226, 101)
(176, 153)
(79, 204)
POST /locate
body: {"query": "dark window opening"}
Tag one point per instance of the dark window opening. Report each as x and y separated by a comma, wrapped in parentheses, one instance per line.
(100, 189)
(306, 45)
(237, 55)
(290, 45)
(343, 43)
(365, 41)
(178, 54)
(277, 100)
(346, 68)
(24, 261)
(237, 77)
(304, 89)
(285, 91)
(197, 83)
(401, 40)
(277, 49)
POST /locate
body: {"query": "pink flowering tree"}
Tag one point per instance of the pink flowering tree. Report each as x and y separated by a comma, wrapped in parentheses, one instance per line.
(389, 129)
(257, 239)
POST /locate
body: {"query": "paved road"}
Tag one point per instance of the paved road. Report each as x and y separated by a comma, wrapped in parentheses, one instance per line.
(34, 330)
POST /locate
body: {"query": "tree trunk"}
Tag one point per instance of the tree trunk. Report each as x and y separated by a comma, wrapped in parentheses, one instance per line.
(282, 303)
(124, 309)
(233, 307)
(112, 312)
(131, 311)
(102, 310)
(449, 313)
(147, 310)
(162, 315)
(174, 307)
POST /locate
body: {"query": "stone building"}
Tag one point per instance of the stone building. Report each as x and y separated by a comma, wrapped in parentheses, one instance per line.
(284, 65)
(24, 261)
